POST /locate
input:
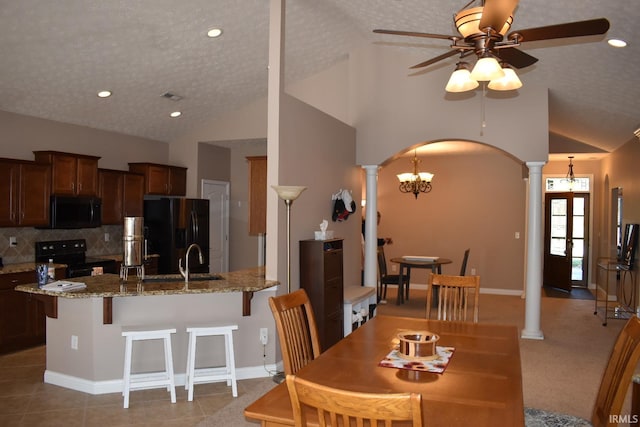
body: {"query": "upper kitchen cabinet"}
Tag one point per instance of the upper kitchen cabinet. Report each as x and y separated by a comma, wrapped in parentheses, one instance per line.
(257, 195)
(71, 174)
(24, 193)
(162, 179)
(122, 195)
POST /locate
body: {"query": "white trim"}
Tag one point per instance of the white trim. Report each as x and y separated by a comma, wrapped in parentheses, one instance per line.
(488, 291)
(115, 386)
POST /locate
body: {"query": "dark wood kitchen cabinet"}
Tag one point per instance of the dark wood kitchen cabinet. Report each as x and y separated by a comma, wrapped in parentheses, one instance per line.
(24, 193)
(71, 174)
(162, 179)
(122, 195)
(22, 318)
(321, 276)
(257, 195)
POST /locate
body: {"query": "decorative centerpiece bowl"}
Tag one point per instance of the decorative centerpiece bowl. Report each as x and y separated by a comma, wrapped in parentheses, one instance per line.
(418, 345)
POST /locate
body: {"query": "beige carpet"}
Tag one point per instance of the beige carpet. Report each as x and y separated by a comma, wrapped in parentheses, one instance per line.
(560, 373)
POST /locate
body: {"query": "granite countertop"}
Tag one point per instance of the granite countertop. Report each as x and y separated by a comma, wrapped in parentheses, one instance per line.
(25, 267)
(118, 257)
(110, 285)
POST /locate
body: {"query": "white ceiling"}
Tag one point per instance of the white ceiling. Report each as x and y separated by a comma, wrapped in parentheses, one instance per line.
(57, 54)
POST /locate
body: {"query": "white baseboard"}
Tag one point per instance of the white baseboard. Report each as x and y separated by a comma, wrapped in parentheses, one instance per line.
(115, 386)
(491, 291)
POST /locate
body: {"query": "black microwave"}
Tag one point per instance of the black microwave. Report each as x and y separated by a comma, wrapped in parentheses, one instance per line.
(75, 212)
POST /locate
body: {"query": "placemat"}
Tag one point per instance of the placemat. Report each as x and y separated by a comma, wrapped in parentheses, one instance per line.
(438, 365)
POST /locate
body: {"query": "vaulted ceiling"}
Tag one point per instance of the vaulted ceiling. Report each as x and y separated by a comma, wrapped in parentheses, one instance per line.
(56, 55)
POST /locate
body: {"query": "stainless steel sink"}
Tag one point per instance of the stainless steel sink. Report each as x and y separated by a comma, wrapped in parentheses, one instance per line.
(179, 278)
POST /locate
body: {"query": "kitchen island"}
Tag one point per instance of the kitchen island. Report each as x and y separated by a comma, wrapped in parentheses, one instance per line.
(85, 349)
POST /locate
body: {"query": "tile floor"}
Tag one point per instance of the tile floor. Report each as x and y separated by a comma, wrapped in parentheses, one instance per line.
(26, 401)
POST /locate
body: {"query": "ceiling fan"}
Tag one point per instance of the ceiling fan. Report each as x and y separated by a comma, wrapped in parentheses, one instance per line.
(483, 32)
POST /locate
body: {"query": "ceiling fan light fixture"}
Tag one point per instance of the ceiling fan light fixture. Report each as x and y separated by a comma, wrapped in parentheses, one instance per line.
(460, 80)
(510, 81)
(487, 69)
(467, 22)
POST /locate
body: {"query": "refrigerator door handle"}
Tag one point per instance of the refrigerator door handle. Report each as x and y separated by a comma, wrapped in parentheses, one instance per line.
(194, 226)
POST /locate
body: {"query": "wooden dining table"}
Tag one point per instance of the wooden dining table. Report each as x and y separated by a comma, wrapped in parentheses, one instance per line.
(407, 263)
(481, 386)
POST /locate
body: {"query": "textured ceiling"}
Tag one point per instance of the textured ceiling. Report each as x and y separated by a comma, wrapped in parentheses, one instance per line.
(57, 54)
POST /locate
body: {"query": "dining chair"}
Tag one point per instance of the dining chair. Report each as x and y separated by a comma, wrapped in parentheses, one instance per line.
(613, 386)
(453, 297)
(352, 408)
(388, 279)
(465, 258)
(297, 329)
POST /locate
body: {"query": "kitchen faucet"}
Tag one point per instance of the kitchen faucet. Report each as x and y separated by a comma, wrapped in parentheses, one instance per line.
(185, 271)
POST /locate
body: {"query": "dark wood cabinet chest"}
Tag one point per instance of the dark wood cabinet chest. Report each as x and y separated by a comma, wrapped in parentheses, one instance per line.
(321, 276)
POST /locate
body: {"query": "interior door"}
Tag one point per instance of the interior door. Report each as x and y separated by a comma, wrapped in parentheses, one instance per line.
(217, 192)
(566, 240)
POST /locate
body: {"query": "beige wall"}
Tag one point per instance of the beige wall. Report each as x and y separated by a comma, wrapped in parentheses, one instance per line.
(21, 135)
(477, 202)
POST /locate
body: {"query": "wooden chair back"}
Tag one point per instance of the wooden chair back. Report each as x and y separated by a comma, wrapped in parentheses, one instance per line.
(465, 259)
(458, 297)
(618, 374)
(342, 408)
(297, 329)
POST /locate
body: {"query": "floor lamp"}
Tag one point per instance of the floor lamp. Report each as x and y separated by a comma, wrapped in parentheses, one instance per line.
(288, 193)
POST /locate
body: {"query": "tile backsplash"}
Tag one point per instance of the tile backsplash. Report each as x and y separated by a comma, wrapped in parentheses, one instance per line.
(26, 237)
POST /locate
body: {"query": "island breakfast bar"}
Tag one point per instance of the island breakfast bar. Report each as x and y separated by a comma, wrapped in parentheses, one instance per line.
(85, 348)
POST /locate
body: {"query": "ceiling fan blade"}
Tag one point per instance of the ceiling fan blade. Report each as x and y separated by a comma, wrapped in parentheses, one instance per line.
(414, 34)
(436, 59)
(516, 57)
(570, 29)
(496, 13)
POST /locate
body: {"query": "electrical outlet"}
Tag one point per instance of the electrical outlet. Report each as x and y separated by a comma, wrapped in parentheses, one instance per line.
(74, 342)
(394, 268)
(264, 336)
(106, 237)
(473, 271)
(13, 242)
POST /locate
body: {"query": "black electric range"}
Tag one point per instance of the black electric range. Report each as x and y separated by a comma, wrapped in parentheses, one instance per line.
(73, 254)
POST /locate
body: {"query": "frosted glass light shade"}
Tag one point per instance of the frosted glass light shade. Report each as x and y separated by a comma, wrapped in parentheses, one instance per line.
(486, 69)
(288, 192)
(405, 177)
(410, 177)
(461, 81)
(510, 81)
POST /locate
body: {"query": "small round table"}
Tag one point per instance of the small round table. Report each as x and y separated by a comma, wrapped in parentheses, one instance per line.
(434, 264)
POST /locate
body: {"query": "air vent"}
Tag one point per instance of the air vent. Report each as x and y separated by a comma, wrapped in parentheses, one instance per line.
(172, 96)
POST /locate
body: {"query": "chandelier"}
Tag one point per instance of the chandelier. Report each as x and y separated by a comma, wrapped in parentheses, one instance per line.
(416, 182)
(570, 178)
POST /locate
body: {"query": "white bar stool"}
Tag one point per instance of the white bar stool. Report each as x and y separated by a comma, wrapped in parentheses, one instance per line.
(148, 380)
(207, 375)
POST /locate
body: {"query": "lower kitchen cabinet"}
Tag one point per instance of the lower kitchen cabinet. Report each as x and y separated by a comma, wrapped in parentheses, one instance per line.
(22, 318)
(321, 276)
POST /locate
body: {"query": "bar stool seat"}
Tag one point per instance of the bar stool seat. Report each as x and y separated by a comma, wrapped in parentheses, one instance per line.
(148, 380)
(208, 375)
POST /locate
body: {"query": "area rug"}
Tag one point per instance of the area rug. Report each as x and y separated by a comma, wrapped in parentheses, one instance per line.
(576, 293)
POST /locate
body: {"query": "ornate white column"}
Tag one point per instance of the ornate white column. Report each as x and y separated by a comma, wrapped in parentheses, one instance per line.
(534, 254)
(371, 226)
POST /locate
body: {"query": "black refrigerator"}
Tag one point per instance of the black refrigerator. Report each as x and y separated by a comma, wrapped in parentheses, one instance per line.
(171, 225)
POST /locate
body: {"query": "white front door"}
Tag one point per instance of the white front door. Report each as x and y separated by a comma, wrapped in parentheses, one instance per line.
(217, 192)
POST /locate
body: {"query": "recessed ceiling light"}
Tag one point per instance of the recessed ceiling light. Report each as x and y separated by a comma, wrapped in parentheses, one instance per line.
(617, 42)
(214, 32)
(104, 94)
(176, 114)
